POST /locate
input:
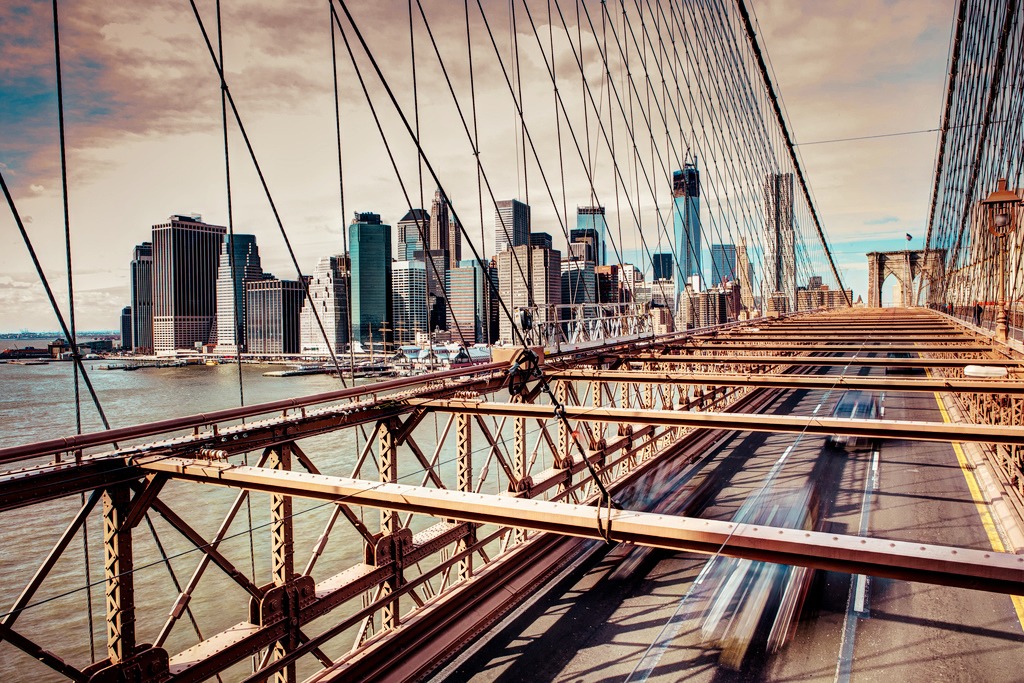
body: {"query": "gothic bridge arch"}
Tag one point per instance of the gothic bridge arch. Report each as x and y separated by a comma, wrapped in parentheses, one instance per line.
(906, 266)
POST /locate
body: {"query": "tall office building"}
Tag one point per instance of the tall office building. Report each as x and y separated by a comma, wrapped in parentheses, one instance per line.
(608, 288)
(409, 305)
(723, 263)
(583, 243)
(142, 297)
(231, 321)
(126, 328)
(469, 298)
(663, 269)
(328, 292)
(579, 283)
(746, 273)
(780, 243)
(686, 222)
(444, 232)
(542, 240)
(511, 225)
(528, 277)
(546, 267)
(591, 223)
(185, 255)
(412, 230)
(369, 243)
(272, 315)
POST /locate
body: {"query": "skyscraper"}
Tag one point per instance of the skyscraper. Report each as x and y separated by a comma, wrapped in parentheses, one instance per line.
(511, 225)
(273, 308)
(663, 269)
(469, 298)
(369, 243)
(328, 291)
(723, 263)
(686, 221)
(608, 287)
(185, 255)
(780, 242)
(591, 218)
(126, 328)
(746, 273)
(409, 305)
(528, 277)
(444, 232)
(412, 229)
(231, 321)
(142, 297)
(578, 282)
(542, 240)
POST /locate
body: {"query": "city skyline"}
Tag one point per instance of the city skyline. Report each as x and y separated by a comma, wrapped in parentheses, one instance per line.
(160, 140)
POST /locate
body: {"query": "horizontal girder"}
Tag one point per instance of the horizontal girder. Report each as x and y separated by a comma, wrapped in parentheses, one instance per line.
(824, 361)
(983, 570)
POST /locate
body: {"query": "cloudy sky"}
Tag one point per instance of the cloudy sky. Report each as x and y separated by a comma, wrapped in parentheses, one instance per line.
(144, 129)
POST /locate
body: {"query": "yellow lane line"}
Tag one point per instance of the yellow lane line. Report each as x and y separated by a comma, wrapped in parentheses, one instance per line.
(981, 504)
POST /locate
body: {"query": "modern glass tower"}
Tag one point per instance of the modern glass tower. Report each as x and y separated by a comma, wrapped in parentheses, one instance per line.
(328, 297)
(142, 297)
(369, 243)
(663, 268)
(723, 263)
(185, 255)
(591, 225)
(686, 222)
(511, 225)
(412, 230)
(469, 297)
(231, 325)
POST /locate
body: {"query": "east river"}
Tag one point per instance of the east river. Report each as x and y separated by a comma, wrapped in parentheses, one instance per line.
(37, 402)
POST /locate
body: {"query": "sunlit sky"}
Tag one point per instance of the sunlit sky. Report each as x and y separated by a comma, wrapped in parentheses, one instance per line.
(144, 130)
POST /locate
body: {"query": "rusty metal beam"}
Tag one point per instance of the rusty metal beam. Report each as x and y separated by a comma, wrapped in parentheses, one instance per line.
(728, 345)
(885, 429)
(977, 569)
(825, 361)
(795, 381)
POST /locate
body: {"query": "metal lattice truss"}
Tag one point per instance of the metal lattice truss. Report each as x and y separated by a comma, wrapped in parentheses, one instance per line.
(457, 502)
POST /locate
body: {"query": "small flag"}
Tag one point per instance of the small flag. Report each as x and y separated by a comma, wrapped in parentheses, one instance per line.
(909, 237)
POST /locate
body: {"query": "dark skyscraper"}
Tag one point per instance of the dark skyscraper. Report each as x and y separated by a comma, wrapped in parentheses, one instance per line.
(142, 297)
(723, 263)
(411, 231)
(591, 218)
(511, 225)
(663, 269)
(185, 255)
(369, 243)
(542, 240)
(780, 262)
(272, 315)
(126, 328)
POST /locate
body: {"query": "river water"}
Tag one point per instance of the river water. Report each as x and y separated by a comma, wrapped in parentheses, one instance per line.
(36, 402)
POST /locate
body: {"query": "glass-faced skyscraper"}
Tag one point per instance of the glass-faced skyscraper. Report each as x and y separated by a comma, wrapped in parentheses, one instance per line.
(369, 243)
(686, 222)
(592, 226)
(231, 325)
(723, 263)
(142, 297)
(511, 225)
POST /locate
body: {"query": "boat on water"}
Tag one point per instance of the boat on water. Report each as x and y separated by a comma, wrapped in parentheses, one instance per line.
(298, 370)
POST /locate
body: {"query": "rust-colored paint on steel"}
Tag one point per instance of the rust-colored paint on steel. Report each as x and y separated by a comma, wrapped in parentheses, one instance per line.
(977, 569)
(884, 429)
(92, 439)
(795, 381)
(732, 345)
(825, 361)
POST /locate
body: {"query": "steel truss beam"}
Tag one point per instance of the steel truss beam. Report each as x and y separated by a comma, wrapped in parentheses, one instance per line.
(794, 381)
(824, 361)
(817, 346)
(884, 429)
(961, 567)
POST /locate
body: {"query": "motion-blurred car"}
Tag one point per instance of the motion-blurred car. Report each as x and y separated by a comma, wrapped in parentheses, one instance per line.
(857, 405)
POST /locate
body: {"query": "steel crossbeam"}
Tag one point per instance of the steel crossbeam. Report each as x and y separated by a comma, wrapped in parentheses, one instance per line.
(977, 569)
(823, 361)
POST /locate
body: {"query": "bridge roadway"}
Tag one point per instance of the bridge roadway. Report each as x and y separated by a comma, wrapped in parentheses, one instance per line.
(626, 613)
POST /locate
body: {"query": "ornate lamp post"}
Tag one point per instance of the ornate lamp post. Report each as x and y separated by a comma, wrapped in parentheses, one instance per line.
(1000, 211)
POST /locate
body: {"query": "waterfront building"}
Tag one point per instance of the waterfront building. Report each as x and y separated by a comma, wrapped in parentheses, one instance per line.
(328, 297)
(469, 301)
(185, 255)
(412, 231)
(369, 243)
(409, 305)
(126, 328)
(273, 308)
(781, 239)
(232, 274)
(142, 298)
(723, 263)
(686, 222)
(592, 226)
(663, 268)
(511, 224)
